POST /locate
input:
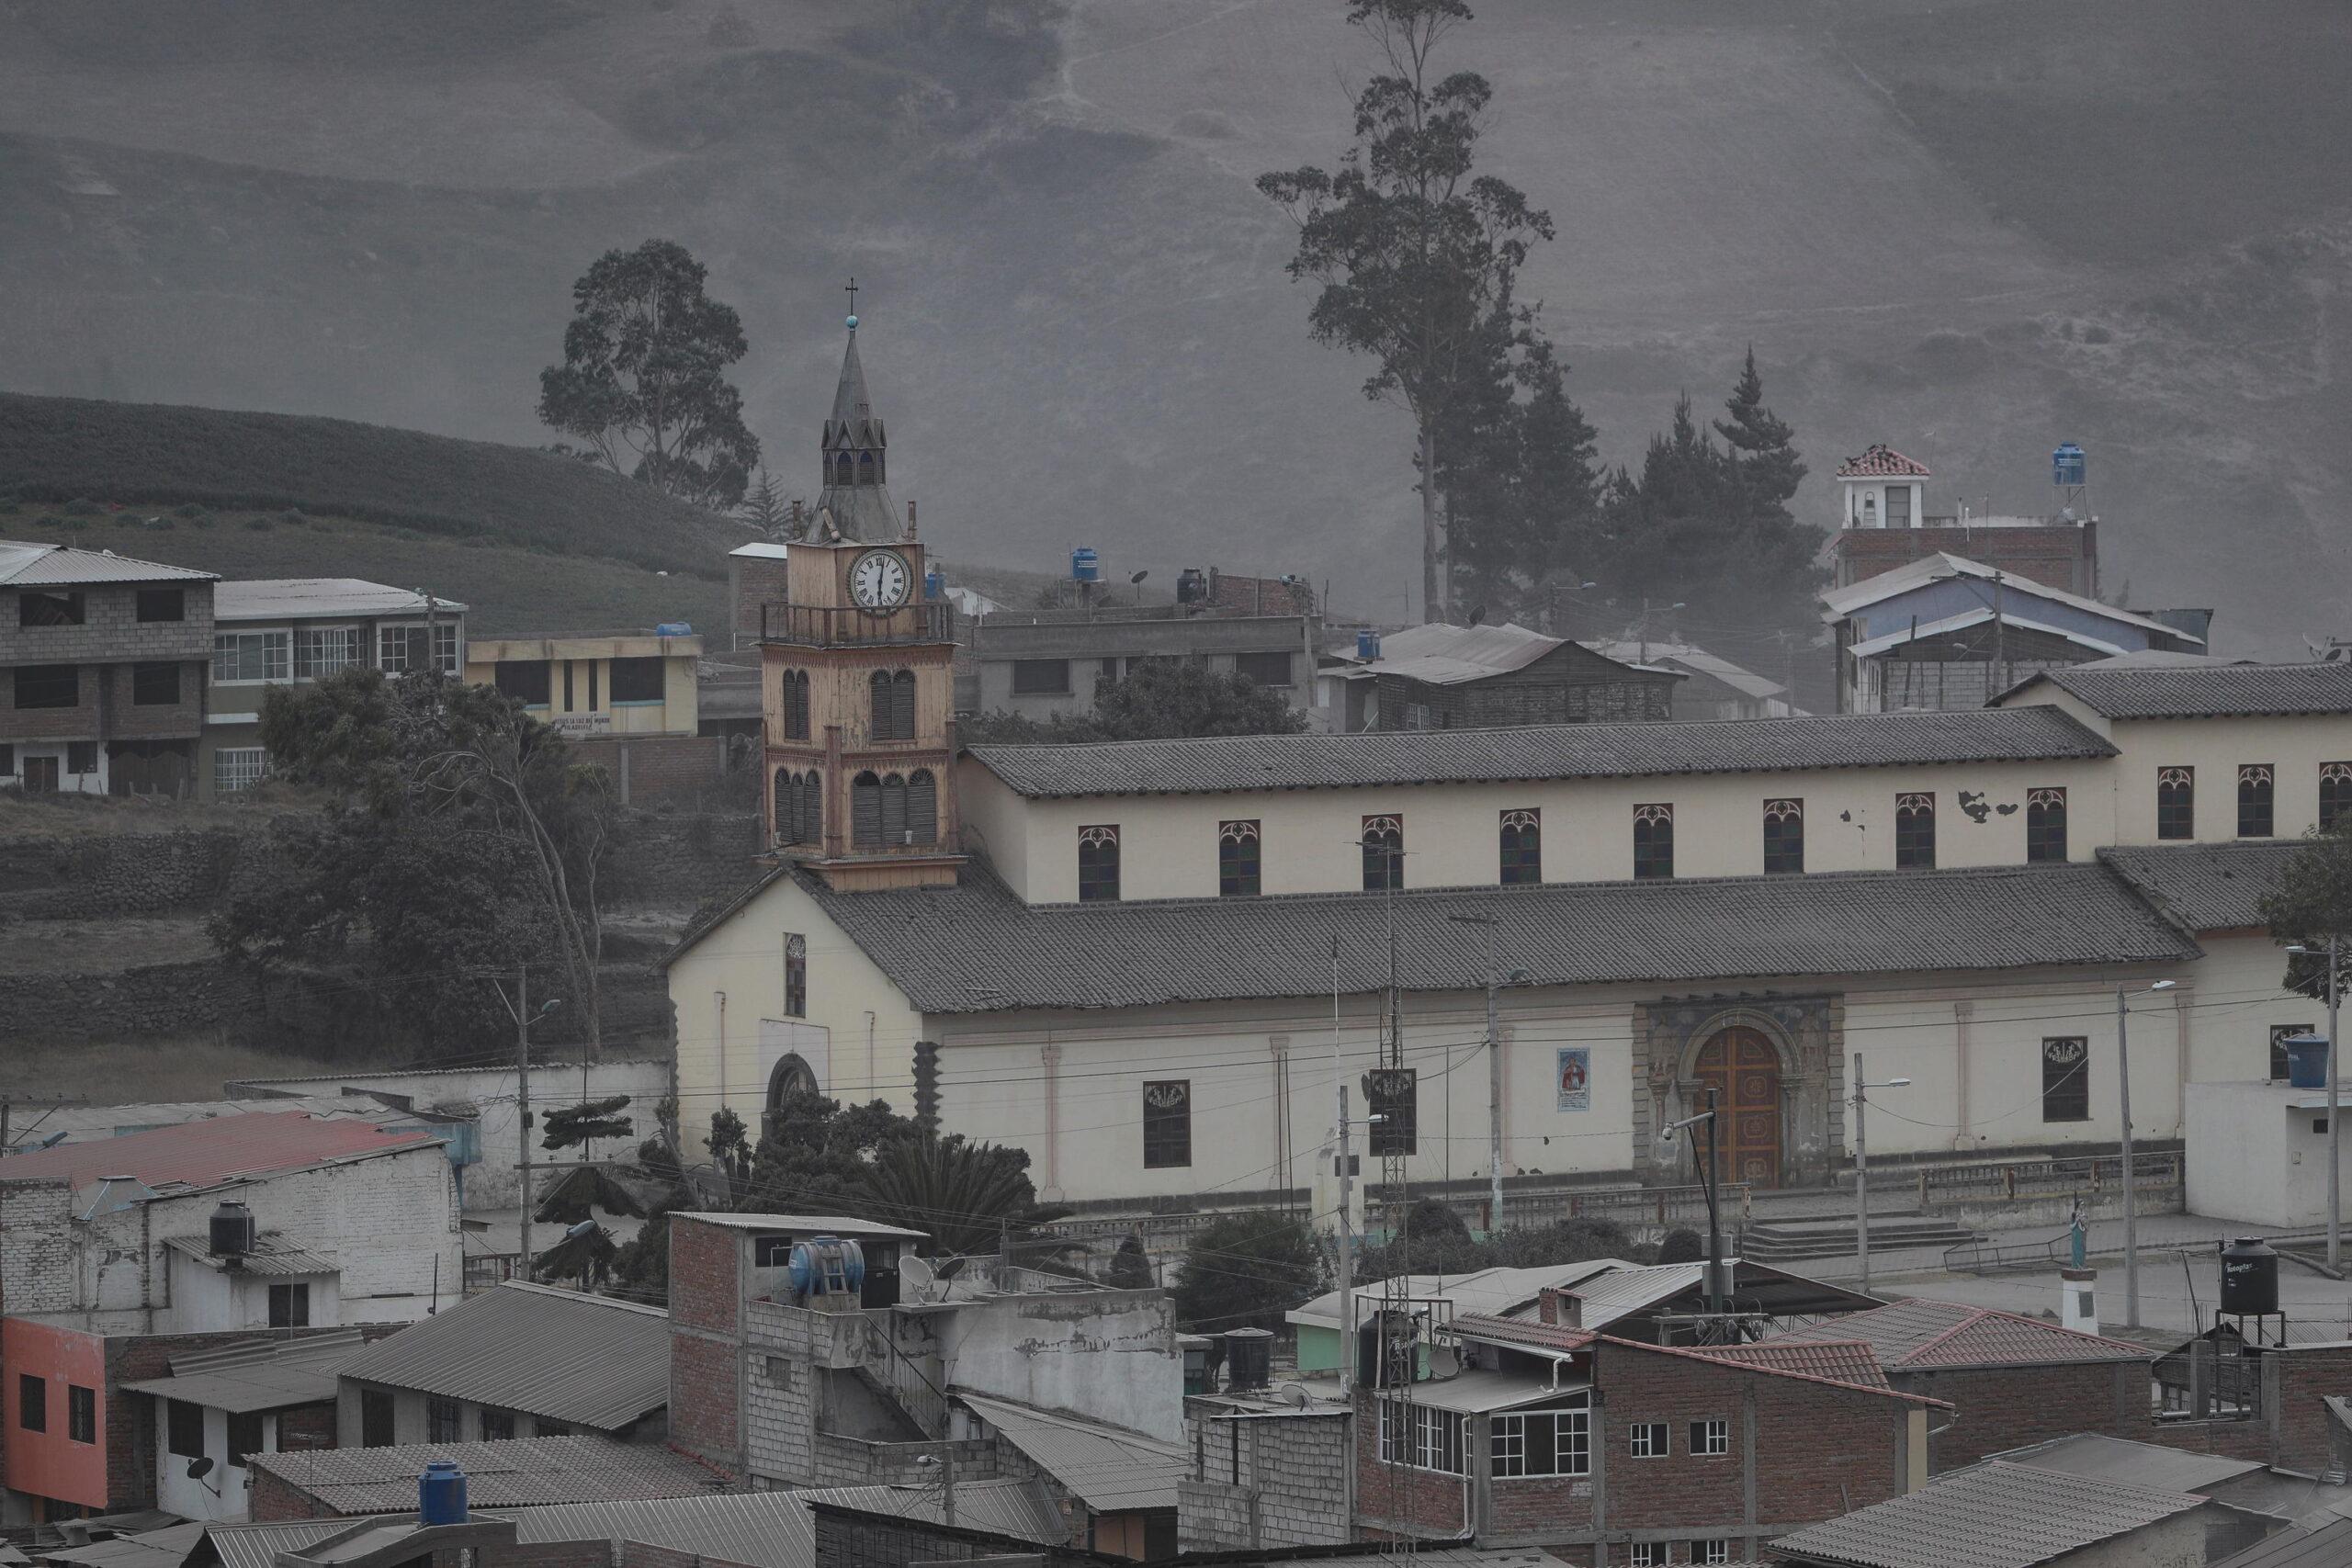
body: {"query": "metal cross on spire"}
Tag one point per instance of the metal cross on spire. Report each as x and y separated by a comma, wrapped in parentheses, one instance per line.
(851, 288)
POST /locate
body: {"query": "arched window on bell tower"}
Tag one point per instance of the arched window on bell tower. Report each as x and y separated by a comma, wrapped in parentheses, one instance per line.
(842, 470)
(867, 474)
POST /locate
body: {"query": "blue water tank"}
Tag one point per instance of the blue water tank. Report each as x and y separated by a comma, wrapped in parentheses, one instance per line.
(2306, 1060)
(1367, 645)
(441, 1493)
(934, 584)
(1085, 567)
(2067, 465)
(674, 629)
(827, 1265)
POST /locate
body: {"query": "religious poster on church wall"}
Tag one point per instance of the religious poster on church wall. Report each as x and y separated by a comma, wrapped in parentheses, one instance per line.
(1575, 1077)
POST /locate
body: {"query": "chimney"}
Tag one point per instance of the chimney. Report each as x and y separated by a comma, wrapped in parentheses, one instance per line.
(1558, 1308)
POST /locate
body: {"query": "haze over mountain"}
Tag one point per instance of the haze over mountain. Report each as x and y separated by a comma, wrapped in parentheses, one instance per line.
(1972, 230)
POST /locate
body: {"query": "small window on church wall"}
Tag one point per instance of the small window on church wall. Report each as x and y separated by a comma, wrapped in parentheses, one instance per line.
(1098, 863)
(795, 976)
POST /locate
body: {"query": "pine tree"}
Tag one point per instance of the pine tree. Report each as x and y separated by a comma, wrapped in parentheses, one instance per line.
(1760, 447)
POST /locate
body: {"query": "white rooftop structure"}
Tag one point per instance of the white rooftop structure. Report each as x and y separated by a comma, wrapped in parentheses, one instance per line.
(320, 598)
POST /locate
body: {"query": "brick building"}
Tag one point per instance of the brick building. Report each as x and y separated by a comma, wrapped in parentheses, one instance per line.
(103, 660)
(1885, 523)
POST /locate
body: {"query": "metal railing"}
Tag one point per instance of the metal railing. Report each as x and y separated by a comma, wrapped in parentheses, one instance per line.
(2010, 1181)
(824, 626)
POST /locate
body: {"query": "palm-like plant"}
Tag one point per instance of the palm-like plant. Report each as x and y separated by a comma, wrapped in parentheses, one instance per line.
(968, 1196)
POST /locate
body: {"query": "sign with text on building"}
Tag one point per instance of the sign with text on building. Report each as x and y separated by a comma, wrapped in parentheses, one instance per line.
(1575, 1077)
(569, 724)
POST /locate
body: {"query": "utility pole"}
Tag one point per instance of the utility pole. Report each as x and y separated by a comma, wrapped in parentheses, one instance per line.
(523, 1099)
(2131, 1189)
(1347, 1253)
(2335, 1142)
(1494, 1099)
(1862, 1162)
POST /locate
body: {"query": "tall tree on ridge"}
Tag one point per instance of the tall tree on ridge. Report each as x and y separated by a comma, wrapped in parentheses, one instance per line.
(1415, 255)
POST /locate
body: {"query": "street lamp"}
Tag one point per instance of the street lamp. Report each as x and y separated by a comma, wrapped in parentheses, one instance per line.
(1862, 1162)
(2335, 1144)
(2131, 1193)
(1717, 1287)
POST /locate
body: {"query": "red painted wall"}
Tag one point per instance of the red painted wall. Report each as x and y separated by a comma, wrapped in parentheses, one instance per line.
(50, 1464)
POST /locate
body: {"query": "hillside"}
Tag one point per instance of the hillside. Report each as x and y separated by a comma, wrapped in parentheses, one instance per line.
(1971, 228)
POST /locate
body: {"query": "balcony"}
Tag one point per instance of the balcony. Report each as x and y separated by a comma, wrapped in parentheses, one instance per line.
(818, 626)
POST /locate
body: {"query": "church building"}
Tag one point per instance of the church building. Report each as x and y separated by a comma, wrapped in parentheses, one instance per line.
(1151, 963)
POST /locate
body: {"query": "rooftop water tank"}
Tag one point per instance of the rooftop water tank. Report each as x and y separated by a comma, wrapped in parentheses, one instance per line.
(441, 1493)
(1192, 585)
(2066, 465)
(827, 1266)
(1367, 645)
(1085, 566)
(674, 629)
(2306, 1060)
(934, 584)
(231, 1229)
(2249, 1277)
(1249, 1357)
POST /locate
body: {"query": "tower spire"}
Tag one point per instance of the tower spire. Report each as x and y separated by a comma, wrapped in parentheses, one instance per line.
(855, 501)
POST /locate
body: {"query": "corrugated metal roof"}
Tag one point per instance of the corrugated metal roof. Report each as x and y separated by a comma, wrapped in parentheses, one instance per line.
(2207, 887)
(2329, 1546)
(1242, 762)
(2016, 591)
(1493, 1292)
(270, 1256)
(28, 565)
(2098, 1457)
(310, 598)
(588, 1360)
(1108, 1468)
(197, 1153)
(1989, 1516)
(1697, 660)
(1443, 655)
(2213, 691)
(799, 1224)
(80, 1123)
(1920, 1335)
(166, 1548)
(976, 948)
(270, 1375)
(515, 1473)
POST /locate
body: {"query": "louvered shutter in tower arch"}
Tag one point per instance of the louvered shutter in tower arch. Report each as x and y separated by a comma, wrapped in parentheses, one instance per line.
(786, 804)
(902, 705)
(894, 810)
(812, 809)
(922, 806)
(882, 705)
(865, 810)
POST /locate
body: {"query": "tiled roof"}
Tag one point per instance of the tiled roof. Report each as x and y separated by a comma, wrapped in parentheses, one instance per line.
(2328, 1546)
(1532, 1332)
(1989, 1516)
(1879, 462)
(27, 565)
(1110, 1469)
(587, 1360)
(1779, 1367)
(976, 948)
(197, 1153)
(2099, 1457)
(517, 1472)
(270, 1254)
(2212, 691)
(1919, 1334)
(1843, 1361)
(1220, 763)
(2207, 887)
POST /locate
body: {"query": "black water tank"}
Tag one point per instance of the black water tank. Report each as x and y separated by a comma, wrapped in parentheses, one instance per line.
(2249, 1277)
(1250, 1356)
(232, 1229)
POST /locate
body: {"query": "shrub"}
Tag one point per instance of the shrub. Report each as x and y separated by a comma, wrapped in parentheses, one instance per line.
(259, 524)
(188, 509)
(81, 506)
(1682, 1245)
(292, 517)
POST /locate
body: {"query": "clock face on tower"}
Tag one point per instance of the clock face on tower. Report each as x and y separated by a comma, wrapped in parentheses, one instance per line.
(878, 580)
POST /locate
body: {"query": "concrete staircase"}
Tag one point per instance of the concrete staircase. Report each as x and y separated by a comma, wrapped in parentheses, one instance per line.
(1836, 1235)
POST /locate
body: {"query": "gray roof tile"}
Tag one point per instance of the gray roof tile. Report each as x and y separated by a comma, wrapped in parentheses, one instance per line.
(2207, 887)
(976, 948)
(2222, 690)
(509, 1473)
(1990, 1516)
(587, 1361)
(1217, 764)
(1110, 1469)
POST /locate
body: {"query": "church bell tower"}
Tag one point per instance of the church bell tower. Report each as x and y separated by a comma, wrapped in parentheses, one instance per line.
(857, 677)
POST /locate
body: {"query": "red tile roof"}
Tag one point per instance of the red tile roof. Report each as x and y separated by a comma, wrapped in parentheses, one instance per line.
(1881, 463)
(1523, 1331)
(1836, 1361)
(1918, 1334)
(1729, 1354)
(197, 1153)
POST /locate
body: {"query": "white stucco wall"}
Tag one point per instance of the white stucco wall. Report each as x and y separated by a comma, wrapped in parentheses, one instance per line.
(1106, 1355)
(2295, 747)
(2258, 1152)
(221, 1494)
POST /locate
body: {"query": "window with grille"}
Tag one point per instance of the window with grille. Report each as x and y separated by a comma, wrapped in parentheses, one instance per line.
(184, 1428)
(2175, 803)
(236, 768)
(289, 1305)
(1166, 1124)
(322, 651)
(1523, 847)
(2280, 1033)
(1040, 677)
(1098, 863)
(2335, 794)
(48, 686)
(2067, 1079)
(795, 976)
(1710, 1437)
(32, 1403)
(250, 657)
(524, 679)
(1237, 861)
(1541, 1442)
(1384, 852)
(2045, 826)
(1716, 1551)
(796, 705)
(246, 1436)
(1646, 1555)
(81, 1413)
(443, 1419)
(1652, 842)
(640, 679)
(1421, 1437)
(1264, 668)
(1393, 1096)
(497, 1425)
(1784, 837)
(1915, 832)
(1651, 1439)
(401, 650)
(163, 604)
(2256, 783)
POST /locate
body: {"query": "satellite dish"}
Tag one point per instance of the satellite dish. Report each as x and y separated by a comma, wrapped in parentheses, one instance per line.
(201, 1467)
(916, 1274)
(1445, 1362)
